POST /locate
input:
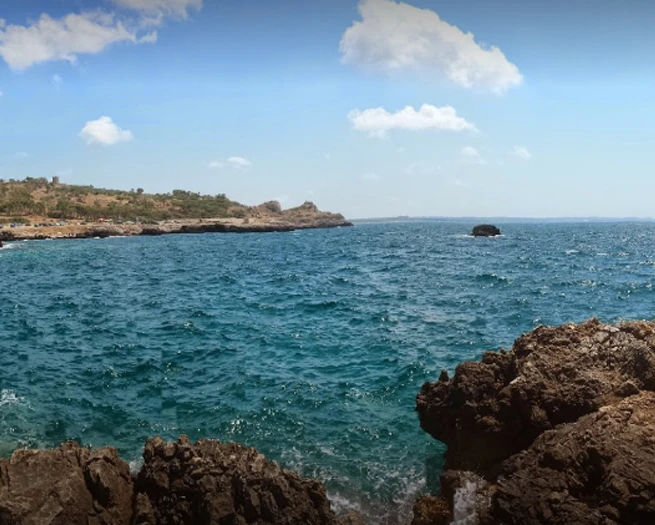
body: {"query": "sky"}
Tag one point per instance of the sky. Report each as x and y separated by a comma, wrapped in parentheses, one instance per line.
(372, 108)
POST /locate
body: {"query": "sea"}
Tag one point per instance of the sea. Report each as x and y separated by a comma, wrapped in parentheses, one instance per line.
(310, 345)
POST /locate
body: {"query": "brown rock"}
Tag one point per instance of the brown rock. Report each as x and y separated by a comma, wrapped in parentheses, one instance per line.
(69, 485)
(598, 470)
(495, 408)
(210, 482)
(431, 510)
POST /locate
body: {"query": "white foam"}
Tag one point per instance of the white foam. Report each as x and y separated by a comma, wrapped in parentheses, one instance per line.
(135, 465)
(9, 397)
(464, 504)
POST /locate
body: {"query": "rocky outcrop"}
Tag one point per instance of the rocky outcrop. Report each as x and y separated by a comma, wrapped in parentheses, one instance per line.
(485, 230)
(69, 485)
(600, 469)
(179, 483)
(539, 427)
(210, 482)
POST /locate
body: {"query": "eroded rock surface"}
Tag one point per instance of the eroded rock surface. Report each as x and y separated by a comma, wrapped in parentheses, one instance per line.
(210, 482)
(180, 483)
(497, 407)
(561, 429)
(598, 470)
(69, 485)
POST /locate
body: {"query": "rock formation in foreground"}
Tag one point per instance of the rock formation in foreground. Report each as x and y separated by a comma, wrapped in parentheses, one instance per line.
(561, 429)
(179, 483)
(485, 230)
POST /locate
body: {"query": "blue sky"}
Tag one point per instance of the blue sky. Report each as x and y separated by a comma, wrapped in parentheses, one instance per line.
(371, 108)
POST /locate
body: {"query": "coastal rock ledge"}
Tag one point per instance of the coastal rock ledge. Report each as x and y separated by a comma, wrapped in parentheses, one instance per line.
(179, 483)
(561, 429)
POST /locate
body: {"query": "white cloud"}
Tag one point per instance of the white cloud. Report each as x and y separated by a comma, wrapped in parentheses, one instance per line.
(57, 80)
(21, 155)
(239, 163)
(395, 36)
(103, 131)
(522, 153)
(164, 7)
(471, 155)
(62, 39)
(378, 121)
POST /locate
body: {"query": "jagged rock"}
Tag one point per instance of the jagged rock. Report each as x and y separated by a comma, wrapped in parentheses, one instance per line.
(485, 230)
(69, 485)
(351, 518)
(210, 482)
(598, 470)
(178, 484)
(495, 408)
(431, 510)
(562, 428)
(6, 235)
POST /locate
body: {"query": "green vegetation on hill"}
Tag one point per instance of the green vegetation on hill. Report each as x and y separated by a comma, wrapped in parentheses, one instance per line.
(51, 199)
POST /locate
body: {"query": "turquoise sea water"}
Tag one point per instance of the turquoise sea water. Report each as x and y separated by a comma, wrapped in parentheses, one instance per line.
(310, 345)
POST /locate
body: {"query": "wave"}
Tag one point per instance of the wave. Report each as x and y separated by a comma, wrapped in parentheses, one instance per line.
(9, 397)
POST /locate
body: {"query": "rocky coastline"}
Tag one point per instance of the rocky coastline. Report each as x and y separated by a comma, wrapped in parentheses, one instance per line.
(179, 483)
(559, 429)
(90, 231)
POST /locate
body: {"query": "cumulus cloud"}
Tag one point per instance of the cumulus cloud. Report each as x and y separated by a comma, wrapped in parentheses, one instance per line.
(395, 36)
(471, 155)
(216, 165)
(104, 132)
(65, 38)
(164, 7)
(522, 153)
(378, 121)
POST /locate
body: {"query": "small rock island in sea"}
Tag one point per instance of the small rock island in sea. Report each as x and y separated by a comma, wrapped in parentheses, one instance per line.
(42, 209)
(485, 230)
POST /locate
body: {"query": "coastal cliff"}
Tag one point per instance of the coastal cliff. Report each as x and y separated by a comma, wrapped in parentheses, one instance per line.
(179, 483)
(557, 430)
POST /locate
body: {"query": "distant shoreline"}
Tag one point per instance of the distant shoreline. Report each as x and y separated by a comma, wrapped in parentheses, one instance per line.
(79, 230)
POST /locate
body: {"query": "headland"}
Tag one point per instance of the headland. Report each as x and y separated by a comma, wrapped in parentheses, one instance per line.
(36, 209)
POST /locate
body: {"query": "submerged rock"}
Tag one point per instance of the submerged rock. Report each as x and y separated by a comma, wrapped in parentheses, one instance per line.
(560, 427)
(485, 230)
